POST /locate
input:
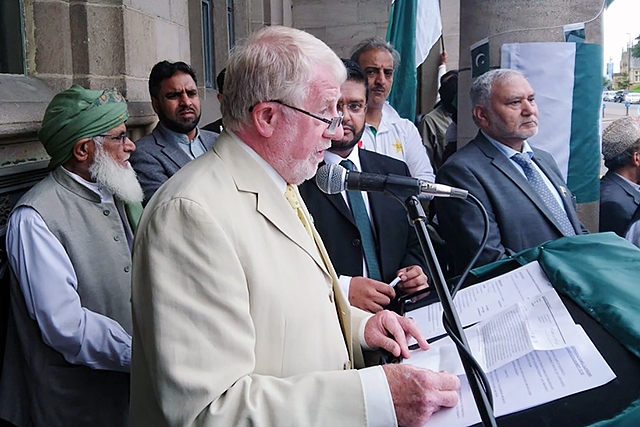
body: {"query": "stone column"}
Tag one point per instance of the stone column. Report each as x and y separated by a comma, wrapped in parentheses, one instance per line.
(508, 21)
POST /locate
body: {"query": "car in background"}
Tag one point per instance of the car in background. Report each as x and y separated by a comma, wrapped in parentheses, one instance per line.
(632, 97)
(608, 95)
(619, 96)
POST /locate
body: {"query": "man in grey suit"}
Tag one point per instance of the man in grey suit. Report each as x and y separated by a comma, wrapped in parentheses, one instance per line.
(176, 140)
(521, 187)
(619, 190)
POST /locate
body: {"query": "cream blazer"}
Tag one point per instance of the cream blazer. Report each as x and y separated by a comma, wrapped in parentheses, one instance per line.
(237, 320)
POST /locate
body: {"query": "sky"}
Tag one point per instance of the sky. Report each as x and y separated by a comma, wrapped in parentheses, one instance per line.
(621, 25)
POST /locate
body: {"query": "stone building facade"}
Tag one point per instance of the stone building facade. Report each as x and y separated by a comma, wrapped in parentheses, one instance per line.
(48, 45)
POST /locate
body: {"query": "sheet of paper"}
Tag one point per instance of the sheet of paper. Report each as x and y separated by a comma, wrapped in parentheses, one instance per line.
(537, 378)
(540, 323)
(485, 299)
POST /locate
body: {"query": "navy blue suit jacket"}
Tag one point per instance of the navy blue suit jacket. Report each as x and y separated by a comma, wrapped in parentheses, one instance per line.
(518, 218)
(618, 201)
(397, 242)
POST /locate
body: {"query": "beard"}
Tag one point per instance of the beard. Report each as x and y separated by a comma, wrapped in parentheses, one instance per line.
(503, 131)
(341, 146)
(120, 181)
(178, 127)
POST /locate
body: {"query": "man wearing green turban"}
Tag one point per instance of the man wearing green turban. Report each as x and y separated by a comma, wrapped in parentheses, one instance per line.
(69, 246)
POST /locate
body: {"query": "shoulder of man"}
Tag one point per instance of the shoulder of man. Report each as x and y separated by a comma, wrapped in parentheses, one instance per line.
(149, 138)
(208, 136)
(379, 163)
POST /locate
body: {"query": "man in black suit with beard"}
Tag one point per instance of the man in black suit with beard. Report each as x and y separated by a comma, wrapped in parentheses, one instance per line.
(365, 274)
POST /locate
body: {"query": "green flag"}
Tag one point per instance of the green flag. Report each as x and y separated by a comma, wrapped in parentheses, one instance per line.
(414, 26)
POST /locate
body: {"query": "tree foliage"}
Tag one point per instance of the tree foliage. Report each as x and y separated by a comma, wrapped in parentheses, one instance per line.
(635, 51)
(624, 82)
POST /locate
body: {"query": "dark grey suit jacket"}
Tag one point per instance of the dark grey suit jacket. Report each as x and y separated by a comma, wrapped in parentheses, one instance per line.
(397, 242)
(518, 218)
(158, 157)
(618, 201)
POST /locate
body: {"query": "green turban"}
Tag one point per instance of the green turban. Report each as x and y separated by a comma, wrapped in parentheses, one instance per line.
(78, 113)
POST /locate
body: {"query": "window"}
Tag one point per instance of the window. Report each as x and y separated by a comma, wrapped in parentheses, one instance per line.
(207, 41)
(11, 40)
(231, 23)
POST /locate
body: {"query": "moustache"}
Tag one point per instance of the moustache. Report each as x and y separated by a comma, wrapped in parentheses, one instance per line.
(350, 127)
(187, 110)
(378, 87)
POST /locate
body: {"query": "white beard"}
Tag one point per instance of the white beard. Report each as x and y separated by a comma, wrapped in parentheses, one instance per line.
(120, 181)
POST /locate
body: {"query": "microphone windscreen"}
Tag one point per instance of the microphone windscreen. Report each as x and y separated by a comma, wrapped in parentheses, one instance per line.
(330, 178)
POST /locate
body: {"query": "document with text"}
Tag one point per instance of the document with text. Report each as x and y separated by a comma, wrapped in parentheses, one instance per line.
(485, 299)
(524, 339)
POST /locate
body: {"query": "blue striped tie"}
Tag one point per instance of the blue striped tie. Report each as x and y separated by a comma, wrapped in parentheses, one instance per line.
(536, 181)
(361, 217)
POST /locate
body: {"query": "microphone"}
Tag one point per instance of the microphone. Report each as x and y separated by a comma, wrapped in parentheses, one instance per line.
(332, 178)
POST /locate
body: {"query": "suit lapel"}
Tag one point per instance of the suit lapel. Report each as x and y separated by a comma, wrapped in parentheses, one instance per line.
(563, 191)
(631, 191)
(376, 200)
(250, 177)
(169, 147)
(271, 203)
(506, 167)
(208, 139)
(339, 203)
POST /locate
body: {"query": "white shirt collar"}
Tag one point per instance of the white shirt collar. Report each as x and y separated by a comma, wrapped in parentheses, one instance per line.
(508, 151)
(93, 186)
(354, 156)
(273, 174)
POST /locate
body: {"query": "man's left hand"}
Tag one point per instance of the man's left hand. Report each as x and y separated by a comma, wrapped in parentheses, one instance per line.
(389, 331)
(412, 279)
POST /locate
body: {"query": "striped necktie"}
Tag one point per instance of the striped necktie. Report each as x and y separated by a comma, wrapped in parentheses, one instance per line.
(361, 217)
(538, 184)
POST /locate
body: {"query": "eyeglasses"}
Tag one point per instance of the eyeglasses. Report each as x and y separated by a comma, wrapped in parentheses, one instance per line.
(333, 123)
(121, 137)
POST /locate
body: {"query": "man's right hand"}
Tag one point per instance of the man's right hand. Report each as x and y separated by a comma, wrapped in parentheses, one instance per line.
(417, 393)
(370, 295)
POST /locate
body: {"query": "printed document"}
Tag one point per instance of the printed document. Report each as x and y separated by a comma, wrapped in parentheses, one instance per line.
(524, 339)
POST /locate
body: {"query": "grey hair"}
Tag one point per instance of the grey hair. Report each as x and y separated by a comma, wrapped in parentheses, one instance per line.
(481, 88)
(275, 63)
(376, 43)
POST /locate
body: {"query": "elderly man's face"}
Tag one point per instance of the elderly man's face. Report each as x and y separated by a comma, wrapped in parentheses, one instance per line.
(110, 166)
(513, 113)
(178, 104)
(300, 149)
(117, 145)
(378, 66)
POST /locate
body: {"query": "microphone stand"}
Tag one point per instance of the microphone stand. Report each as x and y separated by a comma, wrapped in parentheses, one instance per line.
(418, 219)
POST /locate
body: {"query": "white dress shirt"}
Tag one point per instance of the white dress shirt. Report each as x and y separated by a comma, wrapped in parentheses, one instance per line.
(399, 138)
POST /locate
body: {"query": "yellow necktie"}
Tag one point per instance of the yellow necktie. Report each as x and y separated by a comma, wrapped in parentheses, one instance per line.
(341, 304)
(292, 197)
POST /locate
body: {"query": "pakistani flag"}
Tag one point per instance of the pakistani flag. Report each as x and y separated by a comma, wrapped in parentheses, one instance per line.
(567, 79)
(414, 27)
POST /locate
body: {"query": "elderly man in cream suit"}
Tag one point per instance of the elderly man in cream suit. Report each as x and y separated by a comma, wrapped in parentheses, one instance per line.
(238, 318)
